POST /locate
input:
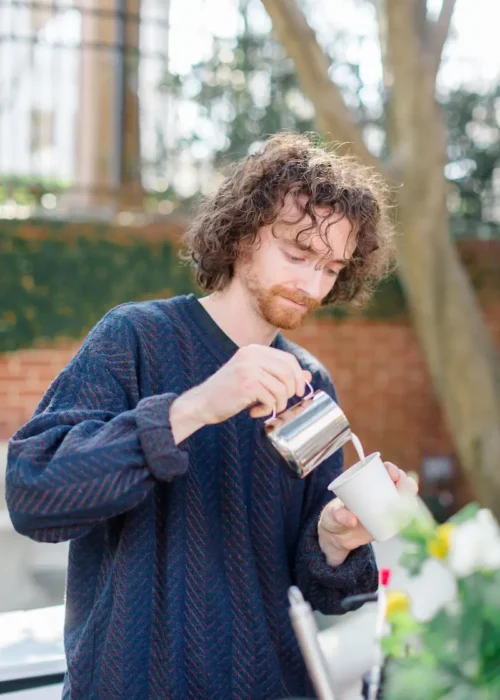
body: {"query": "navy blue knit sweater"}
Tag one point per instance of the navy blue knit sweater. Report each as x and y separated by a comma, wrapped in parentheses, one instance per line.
(181, 556)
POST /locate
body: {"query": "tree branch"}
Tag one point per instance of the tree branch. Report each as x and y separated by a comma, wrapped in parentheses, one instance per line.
(421, 23)
(312, 65)
(439, 31)
(407, 79)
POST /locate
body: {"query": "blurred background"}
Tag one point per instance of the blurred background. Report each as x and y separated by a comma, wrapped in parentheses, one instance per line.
(117, 115)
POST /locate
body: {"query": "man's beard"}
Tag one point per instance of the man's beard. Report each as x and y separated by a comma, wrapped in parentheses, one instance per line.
(274, 309)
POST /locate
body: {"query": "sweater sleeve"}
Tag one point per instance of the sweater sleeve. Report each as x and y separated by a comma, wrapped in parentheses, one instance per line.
(322, 585)
(92, 449)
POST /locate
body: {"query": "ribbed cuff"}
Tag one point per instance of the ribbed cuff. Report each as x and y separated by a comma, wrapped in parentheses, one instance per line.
(358, 573)
(165, 459)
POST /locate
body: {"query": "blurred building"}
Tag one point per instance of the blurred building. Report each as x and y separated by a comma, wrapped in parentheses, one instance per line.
(82, 109)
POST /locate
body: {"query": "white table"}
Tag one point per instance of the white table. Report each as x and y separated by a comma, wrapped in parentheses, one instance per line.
(32, 659)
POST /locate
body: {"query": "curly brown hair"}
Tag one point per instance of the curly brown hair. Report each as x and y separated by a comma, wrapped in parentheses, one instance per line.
(253, 193)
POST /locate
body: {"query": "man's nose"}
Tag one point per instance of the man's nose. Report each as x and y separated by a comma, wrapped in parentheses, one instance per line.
(312, 283)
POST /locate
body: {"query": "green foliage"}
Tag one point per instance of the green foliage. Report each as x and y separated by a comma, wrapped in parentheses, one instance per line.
(419, 533)
(404, 628)
(409, 679)
(387, 302)
(56, 284)
(474, 154)
(466, 513)
(247, 89)
(454, 655)
(27, 191)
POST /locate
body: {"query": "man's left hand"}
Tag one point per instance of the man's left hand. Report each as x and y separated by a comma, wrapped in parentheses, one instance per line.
(340, 531)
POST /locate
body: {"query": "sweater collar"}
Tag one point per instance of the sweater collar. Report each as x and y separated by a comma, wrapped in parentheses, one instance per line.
(214, 331)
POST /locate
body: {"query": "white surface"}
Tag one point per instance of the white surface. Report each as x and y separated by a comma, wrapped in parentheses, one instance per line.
(50, 692)
(31, 643)
(348, 648)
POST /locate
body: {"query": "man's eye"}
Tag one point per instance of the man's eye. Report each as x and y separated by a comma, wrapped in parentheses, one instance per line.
(332, 273)
(293, 258)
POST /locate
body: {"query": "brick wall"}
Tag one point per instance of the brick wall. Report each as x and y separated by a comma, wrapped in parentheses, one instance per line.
(24, 378)
(377, 367)
(385, 390)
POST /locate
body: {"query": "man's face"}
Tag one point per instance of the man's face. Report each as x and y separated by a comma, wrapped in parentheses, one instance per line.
(288, 278)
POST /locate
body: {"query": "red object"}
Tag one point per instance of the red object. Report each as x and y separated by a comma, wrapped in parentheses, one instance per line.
(384, 577)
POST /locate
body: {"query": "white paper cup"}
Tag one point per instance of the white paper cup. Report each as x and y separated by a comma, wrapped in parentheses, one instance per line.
(367, 490)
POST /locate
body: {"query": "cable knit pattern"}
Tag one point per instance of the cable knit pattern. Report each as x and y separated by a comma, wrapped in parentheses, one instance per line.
(180, 556)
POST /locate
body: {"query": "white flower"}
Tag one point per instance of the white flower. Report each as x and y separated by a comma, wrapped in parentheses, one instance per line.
(475, 545)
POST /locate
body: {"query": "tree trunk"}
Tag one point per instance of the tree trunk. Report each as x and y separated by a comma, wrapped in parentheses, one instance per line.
(95, 119)
(131, 194)
(108, 148)
(454, 339)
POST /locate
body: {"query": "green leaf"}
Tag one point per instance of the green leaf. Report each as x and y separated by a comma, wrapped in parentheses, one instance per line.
(404, 631)
(463, 691)
(410, 679)
(467, 512)
(413, 561)
(419, 531)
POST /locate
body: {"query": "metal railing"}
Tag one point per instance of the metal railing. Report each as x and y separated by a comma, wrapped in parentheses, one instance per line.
(83, 106)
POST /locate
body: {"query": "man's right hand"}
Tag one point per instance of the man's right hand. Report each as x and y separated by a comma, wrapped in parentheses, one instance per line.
(257, 376)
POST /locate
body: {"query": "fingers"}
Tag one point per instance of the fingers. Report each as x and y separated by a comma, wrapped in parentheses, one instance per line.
(298, 374)
(283, 373)
(346, 518)
(407, 484)
(267, 372)
(404, 483)
(278, 390)
(284, 364)
(274, 386)
(265, 399)
(394, 472)
(261, 411)
(336, 518)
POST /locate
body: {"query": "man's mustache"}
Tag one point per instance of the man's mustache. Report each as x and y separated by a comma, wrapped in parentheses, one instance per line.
(297, 297)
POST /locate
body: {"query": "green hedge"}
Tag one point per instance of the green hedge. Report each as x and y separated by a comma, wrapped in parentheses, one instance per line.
(57, 281)
(54, 286)
(388, 302)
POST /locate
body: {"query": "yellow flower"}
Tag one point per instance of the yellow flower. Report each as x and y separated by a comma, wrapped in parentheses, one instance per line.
(439, 546)
(396, 602)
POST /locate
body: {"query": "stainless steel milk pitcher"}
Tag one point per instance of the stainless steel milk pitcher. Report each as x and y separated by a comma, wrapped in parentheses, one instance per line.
(308, 432)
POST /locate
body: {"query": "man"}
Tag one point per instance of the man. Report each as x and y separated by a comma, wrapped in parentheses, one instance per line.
(148, 452)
